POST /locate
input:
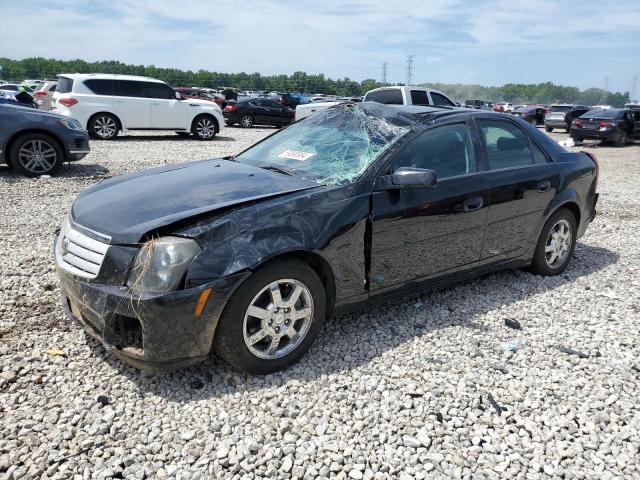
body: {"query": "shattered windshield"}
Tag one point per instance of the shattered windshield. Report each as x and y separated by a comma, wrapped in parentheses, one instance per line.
(331, 147)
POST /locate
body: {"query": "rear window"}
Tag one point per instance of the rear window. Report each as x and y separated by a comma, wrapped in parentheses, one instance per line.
(600, 113)
(388, 97)
(100, 87)
(130, 88)
(65, 85)
(563, 109)
(419, 97)
(524, 109)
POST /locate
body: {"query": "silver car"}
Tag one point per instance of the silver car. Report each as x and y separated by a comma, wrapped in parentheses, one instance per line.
(561, 116)
(43, 95)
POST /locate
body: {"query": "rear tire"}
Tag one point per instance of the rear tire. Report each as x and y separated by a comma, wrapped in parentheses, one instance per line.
(555, 245)
(246, 121)
(103, 126)
(548, 129)
(36, 154)
(247, 341)
(622, 140)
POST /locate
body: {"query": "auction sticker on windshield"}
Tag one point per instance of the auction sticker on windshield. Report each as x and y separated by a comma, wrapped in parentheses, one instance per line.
(296, 155)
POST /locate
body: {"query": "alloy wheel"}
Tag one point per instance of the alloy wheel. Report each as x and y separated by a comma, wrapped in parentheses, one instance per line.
(205, 128)
(105, 127)
(558, 244)
(246, 121)
(278, 319)
(37, 156)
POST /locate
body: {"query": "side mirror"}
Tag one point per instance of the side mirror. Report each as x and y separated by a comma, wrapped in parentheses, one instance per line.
(178, 96)
(407, 177)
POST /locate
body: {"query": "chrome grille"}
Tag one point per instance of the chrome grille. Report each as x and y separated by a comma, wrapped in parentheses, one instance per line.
(79, 254)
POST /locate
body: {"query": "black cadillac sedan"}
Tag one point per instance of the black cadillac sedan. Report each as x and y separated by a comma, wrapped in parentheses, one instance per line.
(257, 111)
(248, 255)
(617, 125)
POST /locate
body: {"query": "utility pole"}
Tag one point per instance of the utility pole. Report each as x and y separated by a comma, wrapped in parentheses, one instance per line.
(632, 93)
(410, 69)
(385, 67)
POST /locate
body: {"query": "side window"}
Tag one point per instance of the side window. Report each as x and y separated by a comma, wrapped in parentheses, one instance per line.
(271, 104)
(53, 88)
(159, 90)
(441, 100)
(447, 150)
(419, 97)
(100, 87)
(130, 88)
(507, 145)
(538, 155)
(388, 97)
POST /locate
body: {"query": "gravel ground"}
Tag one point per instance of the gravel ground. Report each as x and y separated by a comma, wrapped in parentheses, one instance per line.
(418, 388)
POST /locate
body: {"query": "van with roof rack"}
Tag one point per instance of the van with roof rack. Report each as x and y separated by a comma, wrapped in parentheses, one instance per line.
(106, 104)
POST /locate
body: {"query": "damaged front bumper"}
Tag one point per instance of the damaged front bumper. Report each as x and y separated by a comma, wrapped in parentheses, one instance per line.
(150, 332)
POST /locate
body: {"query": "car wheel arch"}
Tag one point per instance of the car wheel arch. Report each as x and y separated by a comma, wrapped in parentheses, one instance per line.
(117, 117)
(209, 115)
(20, 133)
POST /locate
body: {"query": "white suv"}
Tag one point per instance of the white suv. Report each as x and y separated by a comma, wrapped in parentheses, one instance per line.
(104, 104)
(407, 95)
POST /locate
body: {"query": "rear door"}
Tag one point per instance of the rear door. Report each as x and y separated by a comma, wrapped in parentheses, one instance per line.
(422, 233)
(260, 112)
(131, 104)
(523, 181)
(167, 112)
(278, 115)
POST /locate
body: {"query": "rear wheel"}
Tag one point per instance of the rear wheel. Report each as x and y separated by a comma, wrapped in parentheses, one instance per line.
(273, 318)
(246, 121)
(556, 244)
(548, 129)
(36, 154)
(103, 126)
(622, 140)
(533, 122)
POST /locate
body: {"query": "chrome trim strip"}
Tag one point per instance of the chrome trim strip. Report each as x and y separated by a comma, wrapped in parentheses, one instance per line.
(79, 151)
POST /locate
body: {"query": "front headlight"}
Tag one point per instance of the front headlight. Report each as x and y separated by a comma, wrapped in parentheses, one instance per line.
(71, 124)
(161, 264)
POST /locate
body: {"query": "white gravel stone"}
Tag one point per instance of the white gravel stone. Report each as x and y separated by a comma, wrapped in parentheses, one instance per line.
(396, 390)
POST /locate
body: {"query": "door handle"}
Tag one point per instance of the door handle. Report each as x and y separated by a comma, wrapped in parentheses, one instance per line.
(472, 203)
(544, 186)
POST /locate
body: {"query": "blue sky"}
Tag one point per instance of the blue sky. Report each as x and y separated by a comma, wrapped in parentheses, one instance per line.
(489, 42)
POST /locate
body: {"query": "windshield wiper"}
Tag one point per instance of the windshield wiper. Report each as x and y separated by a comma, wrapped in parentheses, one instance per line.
(273, 168)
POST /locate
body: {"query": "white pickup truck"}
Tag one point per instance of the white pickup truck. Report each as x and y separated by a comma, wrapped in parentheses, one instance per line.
(399, 95)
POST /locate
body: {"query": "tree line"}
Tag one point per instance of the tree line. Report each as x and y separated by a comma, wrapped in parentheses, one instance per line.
(37, 68)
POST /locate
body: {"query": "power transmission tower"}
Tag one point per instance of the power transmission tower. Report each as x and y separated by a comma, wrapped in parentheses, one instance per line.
(603, 98)
(410, 69)
(385, 67)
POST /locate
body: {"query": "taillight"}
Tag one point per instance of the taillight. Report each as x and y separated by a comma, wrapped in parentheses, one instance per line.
(576, 123)
(607, 124)
(41, 94)
(67, 102)
(230, 108)
(595, 160)
(281, 101)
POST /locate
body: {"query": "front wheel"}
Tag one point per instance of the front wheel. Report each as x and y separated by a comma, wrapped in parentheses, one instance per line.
(204, 127)
(246, 121)
(556, 244)
(273, 318)
(622, 140)
(36, 154)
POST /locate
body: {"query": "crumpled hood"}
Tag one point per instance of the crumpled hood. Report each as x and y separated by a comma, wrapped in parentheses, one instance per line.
(127, 207)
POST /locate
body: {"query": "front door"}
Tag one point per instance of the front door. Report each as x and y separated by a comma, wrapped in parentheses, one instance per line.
(424, 233)
(523, 183)
(166, 110)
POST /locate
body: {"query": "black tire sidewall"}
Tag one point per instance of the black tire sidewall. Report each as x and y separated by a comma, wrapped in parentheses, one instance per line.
(229, 340)
(539, 263)
(20, 141)
(92, 130)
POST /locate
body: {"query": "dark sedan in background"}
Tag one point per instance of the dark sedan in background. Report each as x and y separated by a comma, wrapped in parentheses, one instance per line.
(531, 113)
(561, 116)
(358, 202)
(617, 125)
(36, 143)
(257, 111)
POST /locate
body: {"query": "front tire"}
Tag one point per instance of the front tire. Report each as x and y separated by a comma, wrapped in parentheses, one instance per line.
(36, 154)
(204, 127)
(103, 126)
(273, 318)
(555, 245)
